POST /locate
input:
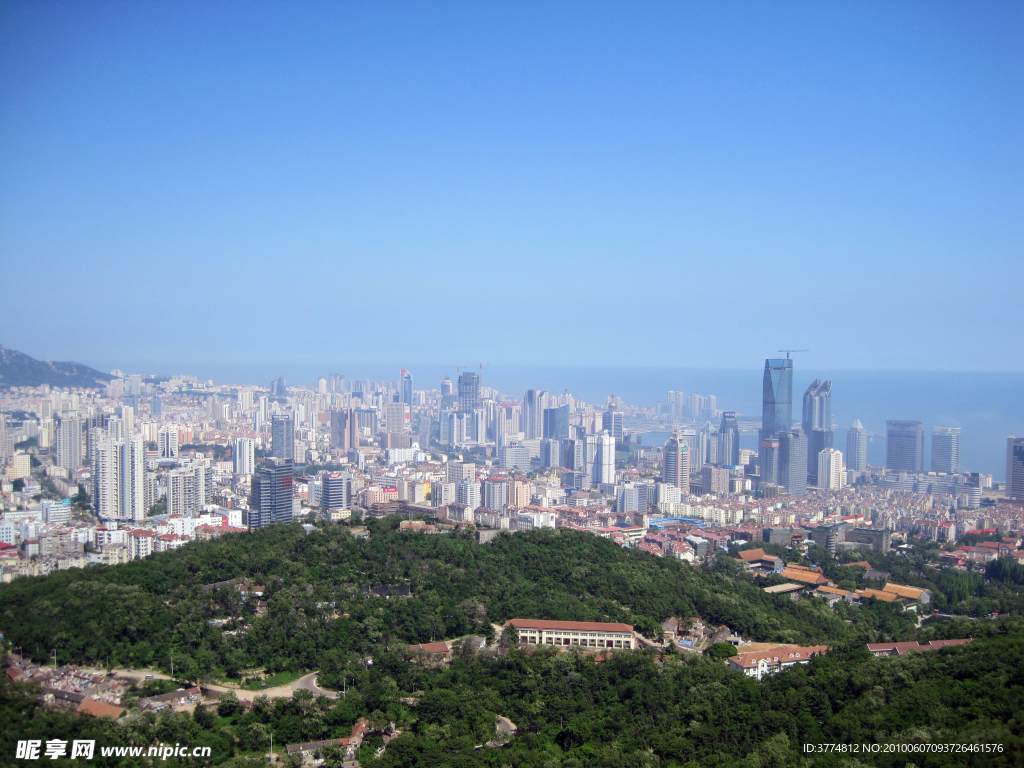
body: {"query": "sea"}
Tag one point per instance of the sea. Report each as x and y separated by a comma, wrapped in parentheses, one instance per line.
(987, 407)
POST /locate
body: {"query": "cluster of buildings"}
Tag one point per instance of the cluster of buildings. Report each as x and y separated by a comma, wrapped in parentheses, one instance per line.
(159, 461)
(92, 693)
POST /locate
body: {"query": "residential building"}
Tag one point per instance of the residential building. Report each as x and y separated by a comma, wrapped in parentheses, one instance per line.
(676, 467)
(69, 442)
(604, 461)
(244, 456)
(829, 472)
(760, 664)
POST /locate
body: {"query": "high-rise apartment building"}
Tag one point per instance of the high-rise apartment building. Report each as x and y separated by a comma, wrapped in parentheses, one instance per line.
(244, 455)
(406, 387)
(282, 437)
(69, 442)
(946, 450)
(469, 392)
(857, 447)
(792, 473)
(904, 446)
(495, 494)
(187, 490)
(468, 492)
(272, 492)
(1015, 468)
(768, 461)
(676, 467)
(604, 461)
(830, 469)
(818, 440)
(729, 440)
(167, 442)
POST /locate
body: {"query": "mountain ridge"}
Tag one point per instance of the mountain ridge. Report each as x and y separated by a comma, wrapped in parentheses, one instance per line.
(20, 370)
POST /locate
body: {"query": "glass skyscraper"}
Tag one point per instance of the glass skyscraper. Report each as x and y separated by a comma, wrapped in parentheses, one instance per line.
(406, 387)
(777, 397)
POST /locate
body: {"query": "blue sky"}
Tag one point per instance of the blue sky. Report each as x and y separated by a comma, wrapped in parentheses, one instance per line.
(187, 185)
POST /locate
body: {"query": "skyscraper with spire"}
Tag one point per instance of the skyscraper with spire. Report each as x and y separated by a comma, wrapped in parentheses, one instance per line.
(776, 416)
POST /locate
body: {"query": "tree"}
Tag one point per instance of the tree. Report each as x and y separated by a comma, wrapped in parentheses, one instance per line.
(229, 706)
(720, 651)
(203, 717)
(509, 637)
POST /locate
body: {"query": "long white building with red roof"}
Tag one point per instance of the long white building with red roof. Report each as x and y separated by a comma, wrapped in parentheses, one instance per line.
(589, 634)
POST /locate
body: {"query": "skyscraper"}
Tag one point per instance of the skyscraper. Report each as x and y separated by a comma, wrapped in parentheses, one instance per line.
(406, 387)
(817, 424)
(904, 446)
(611, 420)
(818, 440)
(604, 461)
(1015, 468)
(282, 437)
(793, 462)
(244, 455)
(556, 422)
(272, 493)
(69, 442)
(777, 397)
(729, 440)
(830, 469)
(857, 447)
(946, 449)
(818, 405)
(344, 431)
(534, 403)
(469, 392)
(167, 442)
(676, 468)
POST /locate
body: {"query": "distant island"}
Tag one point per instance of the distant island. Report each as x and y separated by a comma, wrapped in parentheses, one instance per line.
(19, 370)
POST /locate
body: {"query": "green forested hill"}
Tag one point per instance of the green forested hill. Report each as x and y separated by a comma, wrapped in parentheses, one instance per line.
(629, 710)
(137, 614)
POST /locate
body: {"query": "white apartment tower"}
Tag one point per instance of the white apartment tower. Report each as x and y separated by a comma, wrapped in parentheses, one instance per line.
(857, 447)
(604, 461)
(830, 469)
(244, 455)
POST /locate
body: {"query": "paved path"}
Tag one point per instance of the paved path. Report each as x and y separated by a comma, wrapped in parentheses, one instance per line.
(306, 682)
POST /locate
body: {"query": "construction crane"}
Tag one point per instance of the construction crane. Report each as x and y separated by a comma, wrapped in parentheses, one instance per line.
(787, 351)
(482, 368)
